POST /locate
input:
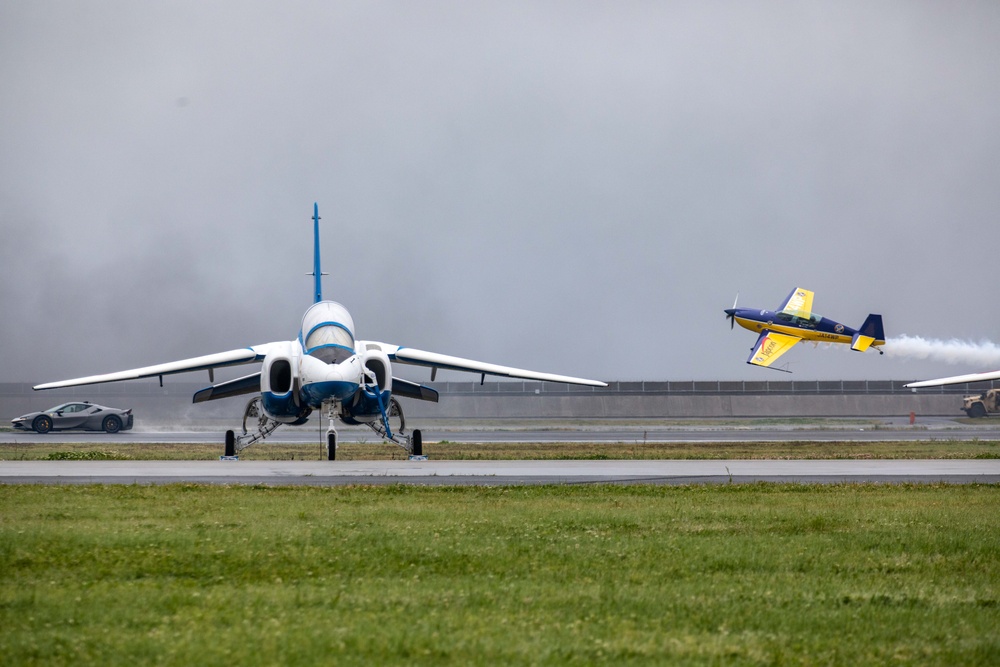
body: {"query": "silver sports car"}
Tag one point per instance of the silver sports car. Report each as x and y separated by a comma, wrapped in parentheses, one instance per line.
(84, 415)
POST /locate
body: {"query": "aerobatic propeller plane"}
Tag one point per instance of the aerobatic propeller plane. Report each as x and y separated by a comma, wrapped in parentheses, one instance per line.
(794, 322)
(324, 368)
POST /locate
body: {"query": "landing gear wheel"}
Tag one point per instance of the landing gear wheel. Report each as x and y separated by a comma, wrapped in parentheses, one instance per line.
(417, 444)
(42, 424)
(112, 424)
(331, 446)
(230, 443)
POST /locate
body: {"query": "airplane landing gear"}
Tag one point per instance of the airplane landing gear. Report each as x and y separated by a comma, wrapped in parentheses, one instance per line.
(413, 443)
(331, 432)
(256, 426)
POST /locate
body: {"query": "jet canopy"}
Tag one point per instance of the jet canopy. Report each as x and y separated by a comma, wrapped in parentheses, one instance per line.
(327, 332)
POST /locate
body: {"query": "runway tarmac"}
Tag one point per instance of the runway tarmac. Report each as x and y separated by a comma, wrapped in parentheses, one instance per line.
(827, 431)
(335, 473)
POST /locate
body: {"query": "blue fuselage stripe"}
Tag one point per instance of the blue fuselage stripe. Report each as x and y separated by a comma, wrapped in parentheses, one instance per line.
(315, 393)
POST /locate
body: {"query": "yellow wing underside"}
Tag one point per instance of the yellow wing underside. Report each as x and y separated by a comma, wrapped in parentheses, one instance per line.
(799, 303)
(770, 346)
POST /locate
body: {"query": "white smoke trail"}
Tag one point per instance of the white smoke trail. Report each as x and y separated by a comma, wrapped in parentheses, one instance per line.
(952, 351)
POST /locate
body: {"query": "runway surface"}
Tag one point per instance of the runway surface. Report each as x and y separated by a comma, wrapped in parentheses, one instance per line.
(934, 429)
(335, 473)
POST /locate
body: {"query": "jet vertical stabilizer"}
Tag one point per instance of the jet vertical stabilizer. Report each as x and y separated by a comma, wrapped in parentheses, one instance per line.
(317, 272)
(870, 332)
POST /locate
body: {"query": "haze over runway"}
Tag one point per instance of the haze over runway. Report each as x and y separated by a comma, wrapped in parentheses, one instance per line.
(579, 188)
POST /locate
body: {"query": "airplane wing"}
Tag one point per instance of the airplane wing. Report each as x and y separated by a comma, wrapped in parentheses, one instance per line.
(409, 355)
(799, 303)
(246, 355)
(956, 379)
(769, 347)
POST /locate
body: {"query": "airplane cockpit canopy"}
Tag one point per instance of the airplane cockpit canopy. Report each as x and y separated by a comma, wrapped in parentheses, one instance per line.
(813, 318)
(327, 332)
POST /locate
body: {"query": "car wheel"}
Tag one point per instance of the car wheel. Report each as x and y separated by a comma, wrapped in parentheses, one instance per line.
(42, 424)
(112, 424)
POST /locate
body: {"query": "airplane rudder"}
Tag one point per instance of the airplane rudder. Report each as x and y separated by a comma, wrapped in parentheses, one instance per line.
(873, 327)
(317, 271)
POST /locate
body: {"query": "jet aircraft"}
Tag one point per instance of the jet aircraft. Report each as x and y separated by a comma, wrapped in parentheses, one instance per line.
(324, 368)
(794, 322)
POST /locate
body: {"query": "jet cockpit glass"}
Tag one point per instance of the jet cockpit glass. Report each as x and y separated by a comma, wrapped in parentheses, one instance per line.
(327, 332)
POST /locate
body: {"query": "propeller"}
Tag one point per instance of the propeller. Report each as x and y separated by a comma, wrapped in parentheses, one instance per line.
(731, 313)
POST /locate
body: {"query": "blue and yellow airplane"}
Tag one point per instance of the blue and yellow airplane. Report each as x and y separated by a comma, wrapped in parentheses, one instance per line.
(794, 322)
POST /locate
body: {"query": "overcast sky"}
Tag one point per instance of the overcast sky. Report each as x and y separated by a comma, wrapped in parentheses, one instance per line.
(572, 187)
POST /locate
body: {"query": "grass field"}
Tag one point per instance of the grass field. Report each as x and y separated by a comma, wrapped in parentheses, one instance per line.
(742, 574)
(927, 449)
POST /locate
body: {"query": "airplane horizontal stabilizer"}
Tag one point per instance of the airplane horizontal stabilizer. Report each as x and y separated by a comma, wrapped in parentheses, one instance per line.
(861, 343)
(248, 384)
(413, 390)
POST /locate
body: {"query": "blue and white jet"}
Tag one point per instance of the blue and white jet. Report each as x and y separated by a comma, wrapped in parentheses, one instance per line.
(324, 368)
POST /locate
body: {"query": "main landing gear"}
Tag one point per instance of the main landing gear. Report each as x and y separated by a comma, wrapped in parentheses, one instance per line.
(394, 431)
(257, 426)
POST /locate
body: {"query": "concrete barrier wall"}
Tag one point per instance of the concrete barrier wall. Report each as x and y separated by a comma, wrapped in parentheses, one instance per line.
(530, 400)
(704, 406)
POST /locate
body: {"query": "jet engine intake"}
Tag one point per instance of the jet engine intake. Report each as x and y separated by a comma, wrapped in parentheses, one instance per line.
(372, 399)
(279, 385)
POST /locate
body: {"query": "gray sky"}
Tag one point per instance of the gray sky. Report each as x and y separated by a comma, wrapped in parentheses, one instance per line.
(573, 187)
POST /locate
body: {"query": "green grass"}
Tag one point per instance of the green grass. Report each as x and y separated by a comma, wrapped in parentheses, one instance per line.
(921, 449)
(646, 575)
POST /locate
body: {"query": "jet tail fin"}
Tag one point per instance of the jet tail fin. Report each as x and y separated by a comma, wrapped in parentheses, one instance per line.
(870, 333)
(316, 272)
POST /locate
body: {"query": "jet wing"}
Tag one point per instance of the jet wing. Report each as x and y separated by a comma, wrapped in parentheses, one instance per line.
(956, 379)
(799, 303)
(409, 355)
(769, 347)
(245, 355)
(248, 384)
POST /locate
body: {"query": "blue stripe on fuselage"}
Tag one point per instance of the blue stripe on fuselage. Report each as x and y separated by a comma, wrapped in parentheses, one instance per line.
(315, 393)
